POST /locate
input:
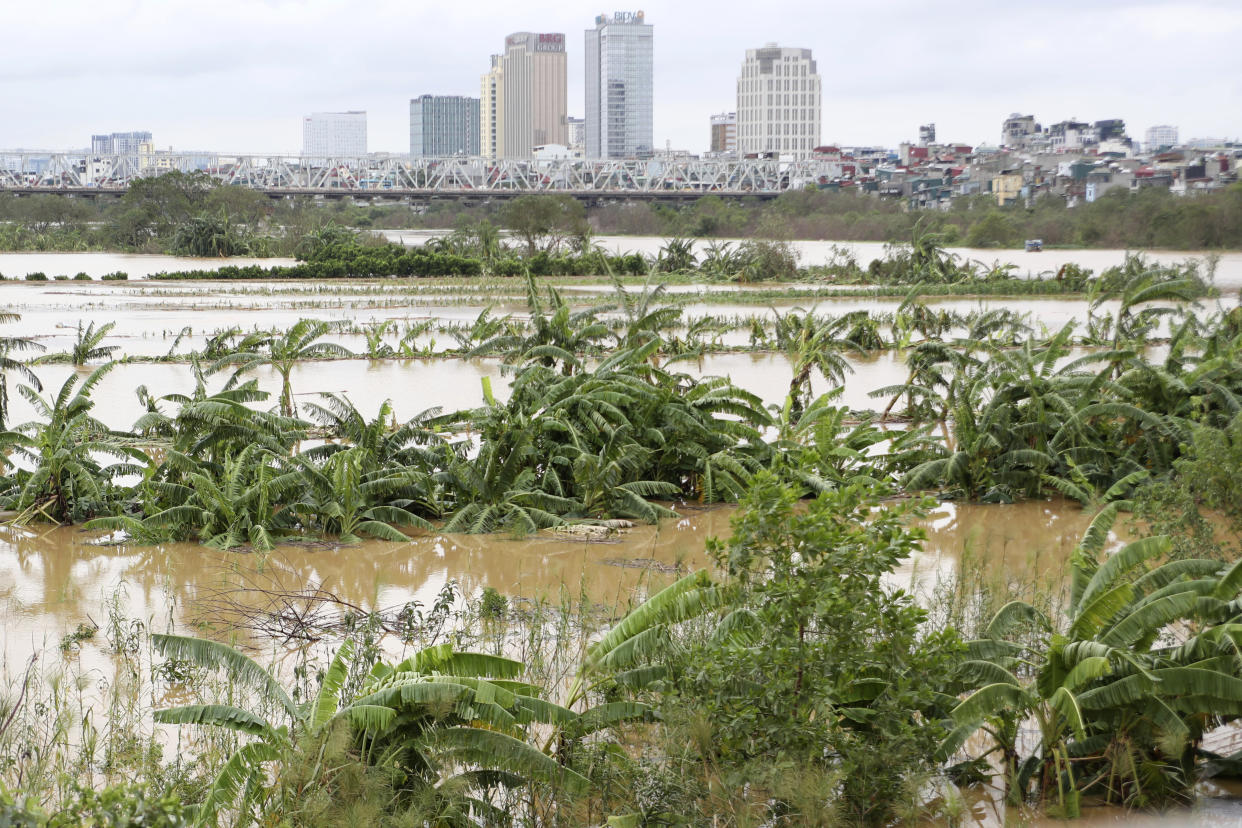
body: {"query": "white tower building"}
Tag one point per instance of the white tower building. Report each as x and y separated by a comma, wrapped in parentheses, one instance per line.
(779, 102)
(335, 134)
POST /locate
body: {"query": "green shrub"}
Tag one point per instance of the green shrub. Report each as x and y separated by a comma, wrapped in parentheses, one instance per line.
(765, 261)
(119, 276)
(19, 814)
(492, 604)
(36, 277)
(120, 806)
(820, 661)
(82, 277)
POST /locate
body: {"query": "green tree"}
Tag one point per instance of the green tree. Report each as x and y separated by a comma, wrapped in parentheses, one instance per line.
(814, 661)
(153, 207)
(543, 222)
(995, 229)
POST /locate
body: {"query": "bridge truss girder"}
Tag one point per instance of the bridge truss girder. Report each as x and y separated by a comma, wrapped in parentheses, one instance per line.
(24, 170)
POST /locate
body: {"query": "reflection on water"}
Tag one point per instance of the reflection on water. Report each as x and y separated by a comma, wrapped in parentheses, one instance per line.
(52, 578)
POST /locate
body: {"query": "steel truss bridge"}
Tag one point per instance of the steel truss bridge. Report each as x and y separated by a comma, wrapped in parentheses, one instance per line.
(285, 175)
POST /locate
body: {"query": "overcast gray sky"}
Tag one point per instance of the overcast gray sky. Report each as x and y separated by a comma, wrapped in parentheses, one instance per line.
(238, 75)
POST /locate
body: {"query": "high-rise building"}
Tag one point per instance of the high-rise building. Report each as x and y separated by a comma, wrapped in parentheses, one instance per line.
(535, 98)
(724, 133)
(927, 135)
(779, 99)
(619, 87)
(492, 110)
(121, 143)
(443, 125)
(577, 134)
(339, 134)
(1160, 137)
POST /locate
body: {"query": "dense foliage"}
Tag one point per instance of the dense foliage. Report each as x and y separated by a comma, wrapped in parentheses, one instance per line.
(794, 683)
(191, 215)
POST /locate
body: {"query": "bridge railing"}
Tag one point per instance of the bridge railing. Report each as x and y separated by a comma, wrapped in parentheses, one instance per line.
(49, 170)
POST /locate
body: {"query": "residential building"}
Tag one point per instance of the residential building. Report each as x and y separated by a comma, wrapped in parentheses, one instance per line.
(535, 98)
(444, 125)
(779, 98)
(927, 135)
(335, 134)
(121, 143)
(1071, 135)
(1017, 131)
(724, 134)
(1113, 129)
(1209, 143)
(492, 110)
(577, 134)
(1160, 138)
(1008, 186)
(620, 87)
(1119, 147)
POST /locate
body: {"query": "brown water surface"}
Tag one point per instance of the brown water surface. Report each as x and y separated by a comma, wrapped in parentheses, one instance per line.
(53, 579)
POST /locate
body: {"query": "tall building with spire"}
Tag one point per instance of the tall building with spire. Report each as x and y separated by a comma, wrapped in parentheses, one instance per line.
(620, 88)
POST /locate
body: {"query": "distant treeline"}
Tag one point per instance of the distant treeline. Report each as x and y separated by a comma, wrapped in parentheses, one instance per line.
(1147, 219)
(191, 215)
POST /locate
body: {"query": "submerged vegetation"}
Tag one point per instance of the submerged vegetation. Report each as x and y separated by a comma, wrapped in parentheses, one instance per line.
(791, 683)
(796, 684)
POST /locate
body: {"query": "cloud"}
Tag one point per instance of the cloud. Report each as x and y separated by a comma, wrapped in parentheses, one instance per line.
(240, 75)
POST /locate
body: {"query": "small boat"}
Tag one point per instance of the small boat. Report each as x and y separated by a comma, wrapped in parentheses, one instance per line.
(1034, 245)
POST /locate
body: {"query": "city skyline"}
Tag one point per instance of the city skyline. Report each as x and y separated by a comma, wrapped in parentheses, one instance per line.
(219, 86)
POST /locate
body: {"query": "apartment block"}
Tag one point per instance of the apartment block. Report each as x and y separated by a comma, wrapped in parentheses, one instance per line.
(779, 102)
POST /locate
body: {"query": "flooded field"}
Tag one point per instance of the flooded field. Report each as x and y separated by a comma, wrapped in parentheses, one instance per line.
(53, 579)
(1228, 273)
(96, 265)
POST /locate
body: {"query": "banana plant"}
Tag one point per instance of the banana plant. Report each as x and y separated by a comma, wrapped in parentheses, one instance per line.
(237, 502)
(452, 722)
(339, 497)
(10, 345)
(86, 346)
(67, 481)
(1122, 691)
(282, 353)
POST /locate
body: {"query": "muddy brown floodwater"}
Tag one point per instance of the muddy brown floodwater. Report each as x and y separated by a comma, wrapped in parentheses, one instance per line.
(52, 579)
